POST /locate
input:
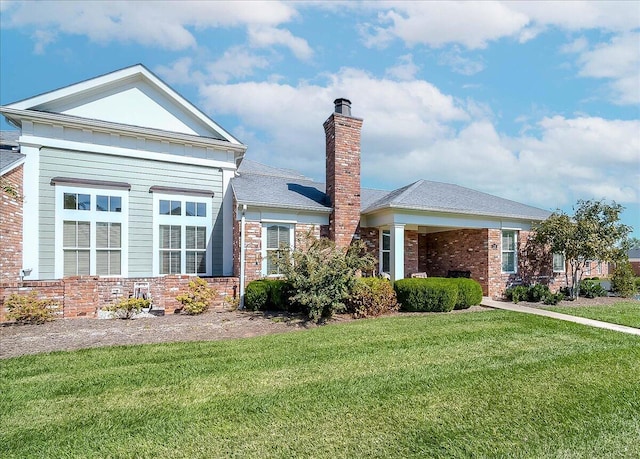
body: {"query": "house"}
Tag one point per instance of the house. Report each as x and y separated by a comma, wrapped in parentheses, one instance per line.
(634, 259)
(124, 182)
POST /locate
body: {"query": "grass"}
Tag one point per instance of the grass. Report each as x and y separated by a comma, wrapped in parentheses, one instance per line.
(494, 383)
(623, 313)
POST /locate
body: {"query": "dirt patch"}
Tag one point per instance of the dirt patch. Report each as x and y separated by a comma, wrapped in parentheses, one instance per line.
(71, 334)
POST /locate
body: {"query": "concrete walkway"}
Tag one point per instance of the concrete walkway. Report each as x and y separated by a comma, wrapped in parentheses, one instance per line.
(488, 302)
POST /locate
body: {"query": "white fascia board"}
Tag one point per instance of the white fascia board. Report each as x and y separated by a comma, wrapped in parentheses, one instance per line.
(432, 219)
(117, 151)
(401, 208)
(115, 128)
(128, 74)
(292, 208)
(264, 214)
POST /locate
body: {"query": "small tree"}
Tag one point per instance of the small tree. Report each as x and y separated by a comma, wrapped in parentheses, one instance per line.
(623, 281)
(322, 276)
(594, 232)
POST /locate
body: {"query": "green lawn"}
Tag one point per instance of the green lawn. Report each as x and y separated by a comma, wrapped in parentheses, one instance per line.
(485, 384)
(623, 313)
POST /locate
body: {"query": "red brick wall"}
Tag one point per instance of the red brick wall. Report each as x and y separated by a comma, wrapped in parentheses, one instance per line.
(11, 228)
(635, 265)
(343, 176)
(460, 250)
(371, 238)
(410, 253)
(82, 296)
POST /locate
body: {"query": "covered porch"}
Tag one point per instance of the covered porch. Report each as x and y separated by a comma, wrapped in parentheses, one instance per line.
(407, 243)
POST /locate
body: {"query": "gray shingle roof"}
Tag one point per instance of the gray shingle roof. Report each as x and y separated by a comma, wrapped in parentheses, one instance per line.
(634, 253)
(446, 197)
(281, 192)
(268, 186)
(8, 157)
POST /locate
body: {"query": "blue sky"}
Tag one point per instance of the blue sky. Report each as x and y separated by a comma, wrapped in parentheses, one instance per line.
(533, 101)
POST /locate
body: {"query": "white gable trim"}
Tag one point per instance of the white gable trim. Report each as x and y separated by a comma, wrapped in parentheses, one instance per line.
(126, 75)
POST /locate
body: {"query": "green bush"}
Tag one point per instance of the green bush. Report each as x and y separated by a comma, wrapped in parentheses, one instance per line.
(372, 297)
(434, 294)
(197, 298)
(553, 298)
(28, 309)
(469, 292)
(268, 295)
(322, 275)
(623, 280)
(537, 292)
(591, 289)
(517, 293)
(256, 295)
(127, 307)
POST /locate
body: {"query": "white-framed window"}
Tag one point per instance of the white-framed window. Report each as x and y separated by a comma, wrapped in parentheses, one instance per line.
(599, 268)
(91, 230)
(276, 237)
(509, 251)
(587, 268)
(182, 234)
(559, 263)
(385, 251)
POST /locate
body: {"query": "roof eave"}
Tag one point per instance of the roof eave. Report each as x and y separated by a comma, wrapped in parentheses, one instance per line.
(450, 211)
(326, 210)
(32, 115)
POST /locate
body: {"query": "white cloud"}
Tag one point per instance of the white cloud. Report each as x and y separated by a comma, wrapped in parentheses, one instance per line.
(164, 24)
(471, 24)
(474, 24)
(412, 130)
(460, 64)
(263, 37)
(404, 70)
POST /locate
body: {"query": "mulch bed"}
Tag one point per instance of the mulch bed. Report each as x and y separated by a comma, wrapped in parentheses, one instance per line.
(71, 334)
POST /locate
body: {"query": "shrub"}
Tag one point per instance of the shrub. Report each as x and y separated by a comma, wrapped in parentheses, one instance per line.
(469, 292)
(372, 297)
(622, 281)
(566, 292)
(591, 289)
(198, 297)
(537, 292)
(553, 298)
(127, 308)
(322, 275)
(256, 295)
(434, 294)
(517, 293)
(279, 292)
(28, 309)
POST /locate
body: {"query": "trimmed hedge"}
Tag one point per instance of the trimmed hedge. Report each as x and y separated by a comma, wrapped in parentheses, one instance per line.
(267, 295)
(433, 294)
(469, 293)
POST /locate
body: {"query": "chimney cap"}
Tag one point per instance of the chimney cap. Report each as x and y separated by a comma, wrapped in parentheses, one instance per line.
(343, 106)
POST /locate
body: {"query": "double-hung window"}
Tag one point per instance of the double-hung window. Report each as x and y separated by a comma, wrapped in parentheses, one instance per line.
(559, 263)
(90, 229)
(509, 251)
(276, 237)
(385, 251)
(182, 234)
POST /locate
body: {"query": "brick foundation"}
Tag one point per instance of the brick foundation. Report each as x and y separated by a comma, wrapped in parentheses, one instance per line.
(82, 296)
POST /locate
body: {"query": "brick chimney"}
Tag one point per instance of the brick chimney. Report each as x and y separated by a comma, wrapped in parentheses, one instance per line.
(342, 133)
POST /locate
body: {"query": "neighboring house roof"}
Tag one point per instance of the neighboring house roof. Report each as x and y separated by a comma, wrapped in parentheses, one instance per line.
(273, 187)
(634, 254)
(445, 197)
(131, 96)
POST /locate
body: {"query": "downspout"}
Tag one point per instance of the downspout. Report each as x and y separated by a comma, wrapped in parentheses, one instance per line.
(242, 255)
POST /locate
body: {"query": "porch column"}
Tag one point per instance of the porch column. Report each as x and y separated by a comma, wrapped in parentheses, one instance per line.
(397, 252)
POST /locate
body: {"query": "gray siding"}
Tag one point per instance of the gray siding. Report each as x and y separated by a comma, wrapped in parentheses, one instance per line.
(141, 174)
